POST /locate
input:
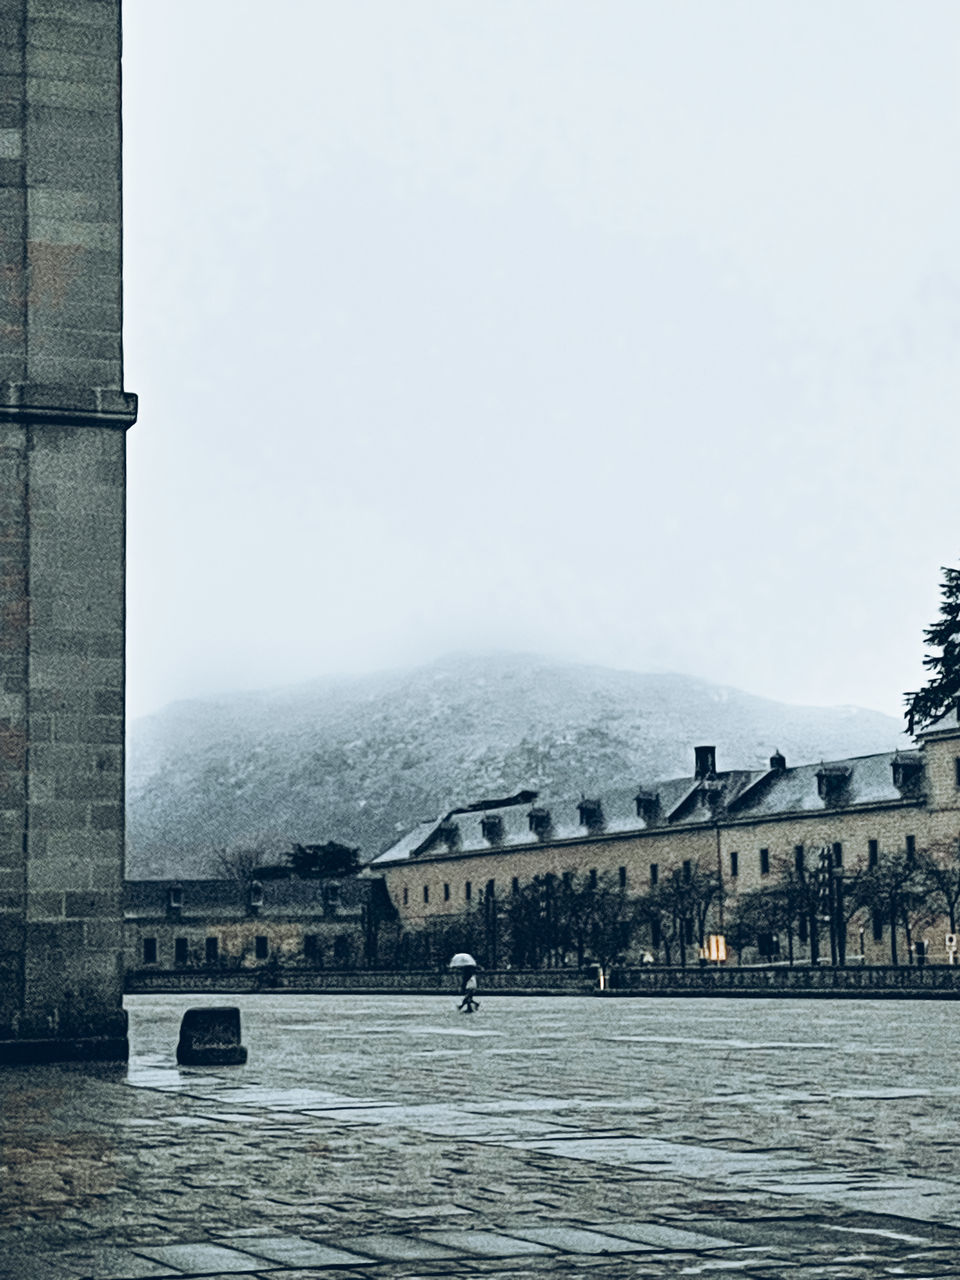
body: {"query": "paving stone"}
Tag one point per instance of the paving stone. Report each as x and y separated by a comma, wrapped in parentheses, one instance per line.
(398, 1248)
(294, 1251)
(203, 1259)
(26, 1267)
(445, 1210)
(488, 1244)
(665, 1237)
(580, 1240)
(104, 1263)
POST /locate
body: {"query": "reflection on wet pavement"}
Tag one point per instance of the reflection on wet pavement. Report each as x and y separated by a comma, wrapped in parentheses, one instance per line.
(369, 1133)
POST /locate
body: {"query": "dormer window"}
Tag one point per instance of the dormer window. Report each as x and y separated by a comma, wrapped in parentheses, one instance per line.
(449, 833)
(540, 823)
(255, 896)
(907, 772)
(710, 793)
(175, 897)
(591, 814)
(832, 781)
(492, 828)
(648, 805)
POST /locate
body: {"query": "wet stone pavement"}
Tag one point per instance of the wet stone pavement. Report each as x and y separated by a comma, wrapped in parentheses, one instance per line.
(391, 1136)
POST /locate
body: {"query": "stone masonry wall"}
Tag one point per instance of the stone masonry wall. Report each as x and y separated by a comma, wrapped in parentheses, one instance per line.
(63, 414)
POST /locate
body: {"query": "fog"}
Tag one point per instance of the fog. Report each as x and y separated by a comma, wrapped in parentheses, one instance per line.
(622, 332)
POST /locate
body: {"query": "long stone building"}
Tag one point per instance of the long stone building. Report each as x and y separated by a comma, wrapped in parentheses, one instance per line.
(748, 828)
(333, 923)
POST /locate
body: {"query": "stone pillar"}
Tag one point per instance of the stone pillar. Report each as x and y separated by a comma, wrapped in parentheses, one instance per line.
(63, 415)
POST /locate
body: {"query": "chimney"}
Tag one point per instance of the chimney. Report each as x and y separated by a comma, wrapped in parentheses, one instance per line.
(778, 763)
(706, 762)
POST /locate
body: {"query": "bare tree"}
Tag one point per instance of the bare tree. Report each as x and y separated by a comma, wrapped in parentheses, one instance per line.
(681, 903)
(894, 888)
(941, 865)
(241, 864)
(595, 918)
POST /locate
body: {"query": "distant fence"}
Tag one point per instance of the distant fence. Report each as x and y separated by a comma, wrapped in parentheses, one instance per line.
(932, 982)
(331, 981)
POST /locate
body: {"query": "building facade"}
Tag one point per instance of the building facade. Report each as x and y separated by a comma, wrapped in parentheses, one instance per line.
(822, 828)
(228, 924)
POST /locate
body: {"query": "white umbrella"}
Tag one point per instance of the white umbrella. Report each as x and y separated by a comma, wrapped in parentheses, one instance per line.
(462, 961)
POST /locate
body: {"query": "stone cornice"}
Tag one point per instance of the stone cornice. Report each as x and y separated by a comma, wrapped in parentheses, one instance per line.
(43, 404)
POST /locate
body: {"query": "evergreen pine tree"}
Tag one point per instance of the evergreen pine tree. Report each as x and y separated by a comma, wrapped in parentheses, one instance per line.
(942, 690)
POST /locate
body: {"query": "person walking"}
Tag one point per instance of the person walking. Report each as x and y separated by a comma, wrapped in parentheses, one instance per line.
(468, 988)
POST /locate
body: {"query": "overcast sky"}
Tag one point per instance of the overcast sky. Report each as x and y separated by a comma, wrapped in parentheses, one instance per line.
(624, 332)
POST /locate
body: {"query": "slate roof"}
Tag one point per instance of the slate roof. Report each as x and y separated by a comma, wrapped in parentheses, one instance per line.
(228, 898)
(949, 723)
(727, 797)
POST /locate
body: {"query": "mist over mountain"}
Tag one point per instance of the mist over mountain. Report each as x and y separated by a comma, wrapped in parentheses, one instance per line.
(361, 759)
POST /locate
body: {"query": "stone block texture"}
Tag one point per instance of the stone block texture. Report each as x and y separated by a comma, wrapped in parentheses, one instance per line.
(63, 415)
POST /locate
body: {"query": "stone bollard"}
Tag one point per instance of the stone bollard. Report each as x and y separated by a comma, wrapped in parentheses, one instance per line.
(210, 1037)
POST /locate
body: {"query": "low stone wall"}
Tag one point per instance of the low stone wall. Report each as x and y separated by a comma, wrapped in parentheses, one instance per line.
(935, 982)
(329, 981)
(932, 982)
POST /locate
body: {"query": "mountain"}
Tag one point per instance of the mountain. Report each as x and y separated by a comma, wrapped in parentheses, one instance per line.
(362, 759)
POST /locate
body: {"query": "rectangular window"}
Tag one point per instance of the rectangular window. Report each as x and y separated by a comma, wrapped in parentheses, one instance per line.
(149, 951)
(491, 889)
(593, 877)
(734, 863)
(764, 862)
(623, 877)
(803, 928)
(446, 893)
(687, 871)
(837, 854)
(515, 885)
(468, 891)
(877, 927)
(911, 846)
(655, 934)
(212, 950)
(179, 951)
(654, 873)
(798, 862)
(406, 895)
(688, 932)
(426, 893)
(568, 879)
(956, 769)
(311, 947)
(873, 852)
(261, 948)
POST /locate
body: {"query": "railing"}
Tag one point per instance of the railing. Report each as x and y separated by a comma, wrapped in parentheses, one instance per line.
(426, 982)
(816, 980)
(928, 982)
